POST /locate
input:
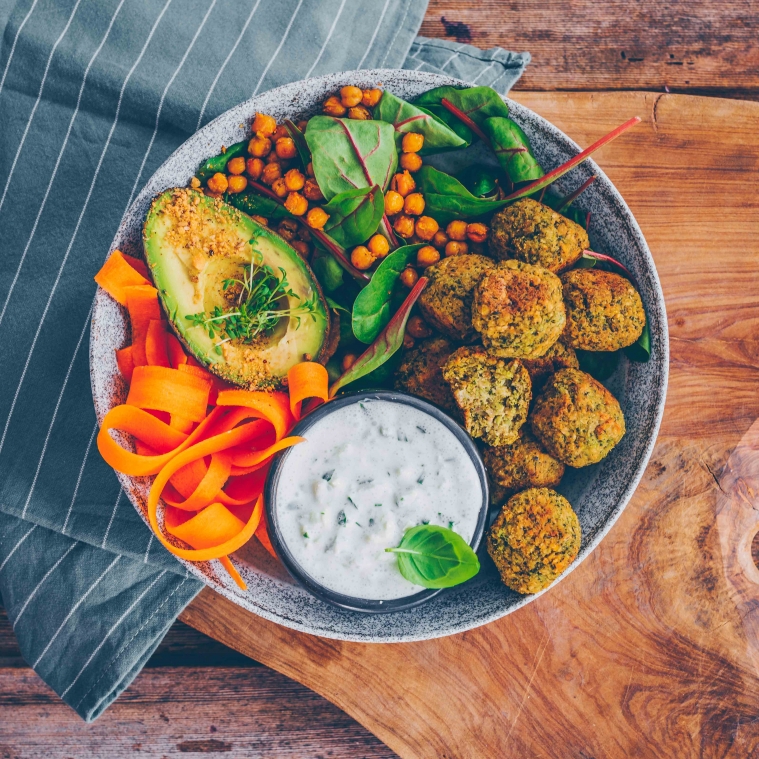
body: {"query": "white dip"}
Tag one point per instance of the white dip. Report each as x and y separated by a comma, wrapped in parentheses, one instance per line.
(365, 474)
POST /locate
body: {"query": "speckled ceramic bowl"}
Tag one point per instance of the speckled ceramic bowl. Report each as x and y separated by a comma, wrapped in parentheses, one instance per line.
(598, 493)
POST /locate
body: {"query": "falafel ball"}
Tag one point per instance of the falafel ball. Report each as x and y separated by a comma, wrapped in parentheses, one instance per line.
(534, 233)
(576, 418)
(518, 310)
(420, 372)
(494, 395)
(558, 356)
(446, 302)
(522, 464)
(534, 539)
(604, 310)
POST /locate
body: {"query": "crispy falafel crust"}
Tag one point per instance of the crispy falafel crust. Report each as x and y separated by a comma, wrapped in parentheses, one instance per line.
(577, 419)
(534, 539)
(420, 373)
(604, 310)
(493, 394)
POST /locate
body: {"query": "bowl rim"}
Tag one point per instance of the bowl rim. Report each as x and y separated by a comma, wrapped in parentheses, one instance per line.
(341, 600)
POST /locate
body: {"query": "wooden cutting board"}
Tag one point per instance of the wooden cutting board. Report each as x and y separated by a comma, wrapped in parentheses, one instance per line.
(651, 647)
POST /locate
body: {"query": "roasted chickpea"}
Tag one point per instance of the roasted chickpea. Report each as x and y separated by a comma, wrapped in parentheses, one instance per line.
(310, 169)
(426, 228)
(195, 183)
(260, 219)
(303, 248)
(264, 125)
(477, 232)
(412, 142)
(409, 277)
(236, 165)
(413, 205)
(211, 193)
(456, 230)
(348, 360)
(254, 167)
(279, 132)
(274, 158)
(403, 183)
(280, 187)
(294, 180)
(455, 248)
(311, 190)
(286, 148)
(333, 107)
(393, 202)
(410, 161)
(236, 183)
(259, 147)
(296, 204)
(408, 341)
(370, 98)
(317, 218)
(404, 226)
(417, 327)
(350, 96)
(287, 228)
(271, 173)
(427, 256)
(440, 240)
(302, 125)
(379, 246)
(218, 182)
(361, 257)
(359, 113)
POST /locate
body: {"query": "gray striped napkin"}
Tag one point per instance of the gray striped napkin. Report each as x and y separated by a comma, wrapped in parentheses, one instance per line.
(94, 96)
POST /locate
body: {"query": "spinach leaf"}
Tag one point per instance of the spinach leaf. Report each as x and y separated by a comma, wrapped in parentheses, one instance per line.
(327, 270)
(300, 142)
(481, 181)
(354, 215)
(348, 154)
(258, 205)
(512, 149)
(435, 557)
(371, 309)
(386, 345)
(640, 350)
(598, 364)
(405, 117)
(219, 162)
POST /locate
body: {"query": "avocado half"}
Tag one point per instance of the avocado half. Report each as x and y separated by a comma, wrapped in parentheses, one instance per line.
(192, 244)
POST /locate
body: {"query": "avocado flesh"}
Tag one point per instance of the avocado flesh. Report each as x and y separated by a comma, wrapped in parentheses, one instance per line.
(193, 243)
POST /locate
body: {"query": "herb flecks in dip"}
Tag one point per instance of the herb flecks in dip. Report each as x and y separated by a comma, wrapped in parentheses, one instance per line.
(366, 473)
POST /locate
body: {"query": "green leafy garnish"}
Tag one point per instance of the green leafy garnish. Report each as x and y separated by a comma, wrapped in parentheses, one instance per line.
(300, 142)
(435, 557)
(258, 205)
(354, 215)
(598, 364)
(481, 181)
(512, 149)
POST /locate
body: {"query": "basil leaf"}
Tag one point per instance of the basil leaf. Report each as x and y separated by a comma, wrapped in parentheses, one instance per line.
(435, 557)
(354, 215)
(387, 343)
(405, 117)
(371, 309)
(347, 153)
(300, 142)
(598, 364)
(512, 149)
(481, 181)
(327, 270)
(219, 162)
(258, 205)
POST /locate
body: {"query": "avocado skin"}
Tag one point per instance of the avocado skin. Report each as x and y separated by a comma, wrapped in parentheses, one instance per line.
(182, 291)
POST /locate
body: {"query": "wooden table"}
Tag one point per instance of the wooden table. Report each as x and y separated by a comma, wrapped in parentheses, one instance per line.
(196, 695)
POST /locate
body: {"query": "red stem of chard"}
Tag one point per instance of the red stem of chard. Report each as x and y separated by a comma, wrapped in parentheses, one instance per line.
(576, 194)
(461, 116)
(390, 231)
(552, 176)
(609, 260)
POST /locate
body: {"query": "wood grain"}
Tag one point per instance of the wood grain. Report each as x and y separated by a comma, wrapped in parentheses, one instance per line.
(650, 648)
(697, 47)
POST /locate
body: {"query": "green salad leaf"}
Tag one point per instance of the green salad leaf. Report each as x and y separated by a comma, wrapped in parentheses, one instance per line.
(327, 270)
(219, 162)
(405, 117)
(435, 557)
(598, 364)
(258, 205)
(481, 181)
(354, 215)
(371, 309)
(512, 149)
(348, 153)
(300, 142)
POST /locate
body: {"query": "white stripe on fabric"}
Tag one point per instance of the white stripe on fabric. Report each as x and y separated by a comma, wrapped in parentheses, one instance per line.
(419, 65)
(374, 36)
(55, 415)
(58, 162)
(37, 101)
(15, 40)
(110, 632)
(279, 47)
(484, 71)
(500, 76)
(395, 36)
(110, 521)
(74, 608)
(163, 97)
(147, 550)
(79, 479)
(454, 56)
(78, 223)
(39, 584)
(224, 65)
(326, 41)
(13, 550)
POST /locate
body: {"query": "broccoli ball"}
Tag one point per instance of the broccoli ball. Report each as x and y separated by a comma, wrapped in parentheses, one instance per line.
(604, 310)
(558, 356)
(534, 539)
(420, 372)
(446, 302)
(576, 418)
(518, 310)
(494, 395)
(534, 233)
(522, 464)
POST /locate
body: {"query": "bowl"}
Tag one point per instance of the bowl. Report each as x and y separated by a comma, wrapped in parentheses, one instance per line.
(351, 603)
(598, 493)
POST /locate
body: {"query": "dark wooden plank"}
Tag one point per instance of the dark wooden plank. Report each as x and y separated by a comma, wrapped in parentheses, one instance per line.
(705, 47)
